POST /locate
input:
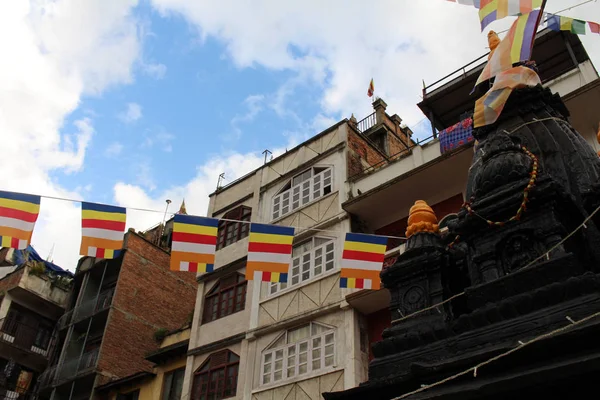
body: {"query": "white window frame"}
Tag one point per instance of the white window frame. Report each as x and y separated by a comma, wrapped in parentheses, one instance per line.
(319, 349)
(303, 193)
(308, 265)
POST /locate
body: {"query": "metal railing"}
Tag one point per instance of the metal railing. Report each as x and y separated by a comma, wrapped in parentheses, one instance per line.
(46, 378)
(25, 337)
(15, 394)
(461, 72)
(392, 157)
(64, 320)
(73, 367)
(91, 307)
(366, 123)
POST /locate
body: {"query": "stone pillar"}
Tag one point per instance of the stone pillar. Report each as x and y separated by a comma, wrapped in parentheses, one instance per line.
(379, 106)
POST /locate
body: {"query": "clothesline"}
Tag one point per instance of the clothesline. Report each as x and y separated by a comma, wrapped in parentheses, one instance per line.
(298, 228)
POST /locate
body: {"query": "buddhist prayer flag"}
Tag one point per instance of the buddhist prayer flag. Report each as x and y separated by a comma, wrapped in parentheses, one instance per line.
(515, 47)
(102, 230)
(594, 27)
(269, 252)
(371, 89)
(492, 10)
(560, 23)
(194, 243)
(362, 261)
(489, 106)
(18, 214)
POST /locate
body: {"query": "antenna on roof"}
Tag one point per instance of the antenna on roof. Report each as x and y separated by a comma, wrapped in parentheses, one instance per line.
(49, 258)
(221, 178)
(267, 152)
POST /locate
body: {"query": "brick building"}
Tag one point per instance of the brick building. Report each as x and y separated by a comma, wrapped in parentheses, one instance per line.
(117, 309)
(33, 296)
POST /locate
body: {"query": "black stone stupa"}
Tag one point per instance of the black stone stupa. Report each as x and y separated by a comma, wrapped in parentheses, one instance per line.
(521, 278)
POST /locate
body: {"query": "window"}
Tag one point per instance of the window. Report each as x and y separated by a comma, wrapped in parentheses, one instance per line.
(228, 296)
(173, 384)
(298, 351)
(309, 259)
(302, 189)
(135, 395)
(231, 231)
(217, 377)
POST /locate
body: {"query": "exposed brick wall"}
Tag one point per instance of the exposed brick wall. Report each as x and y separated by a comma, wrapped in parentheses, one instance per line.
(11, 280)
(362, 154)
(148, 297)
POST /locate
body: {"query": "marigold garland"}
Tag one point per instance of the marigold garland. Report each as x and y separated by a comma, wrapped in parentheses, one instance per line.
(522, 208)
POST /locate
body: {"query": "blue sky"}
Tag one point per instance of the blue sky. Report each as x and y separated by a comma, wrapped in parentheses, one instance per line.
(131, 102)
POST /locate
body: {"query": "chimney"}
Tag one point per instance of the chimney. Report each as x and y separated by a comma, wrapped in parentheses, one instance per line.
(379, 106)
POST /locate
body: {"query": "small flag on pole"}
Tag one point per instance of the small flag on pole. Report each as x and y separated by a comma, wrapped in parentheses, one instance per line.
(18, 214)
(269, 252)
(371, 89)
(362, 261)
(515, 47)
(492, 10)
(102, 230)
(559, 23)
(194, 243)
(182, 209)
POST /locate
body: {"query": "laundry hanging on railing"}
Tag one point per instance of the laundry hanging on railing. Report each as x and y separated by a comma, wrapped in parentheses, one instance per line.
(456, 135)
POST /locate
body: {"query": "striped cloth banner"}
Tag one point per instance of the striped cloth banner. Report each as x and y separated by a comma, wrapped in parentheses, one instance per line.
(492, 10)
(362, 261)
(489, 107)
(560, 23)
(269, 252)
(18, 214)
(194, 243)
(102, 230)
(515, 47)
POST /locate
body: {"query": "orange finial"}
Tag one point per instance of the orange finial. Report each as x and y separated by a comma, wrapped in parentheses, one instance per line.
(421, 218)
(493, 42)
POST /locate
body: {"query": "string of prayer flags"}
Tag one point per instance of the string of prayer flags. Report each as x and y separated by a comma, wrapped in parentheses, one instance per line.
(362, 261)
(492, 10)
(594, 27)
(194, 243)
(18, 214)
(269, 252)
(515, 47)
(490, 105)
(102, 230)
(474, 3)
(560, 23)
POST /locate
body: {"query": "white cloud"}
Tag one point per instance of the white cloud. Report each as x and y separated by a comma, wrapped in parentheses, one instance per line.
(132, 113)
(59, 51)
(342, 44)
(162, 138)
(113, 149)
(156, 71)
(195, 192)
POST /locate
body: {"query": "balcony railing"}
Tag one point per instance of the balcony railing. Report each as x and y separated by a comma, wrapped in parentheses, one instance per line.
(71, 368)
(366, 123)
(91, 307)
(25, 337)
(46, 378)
(15, 394)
